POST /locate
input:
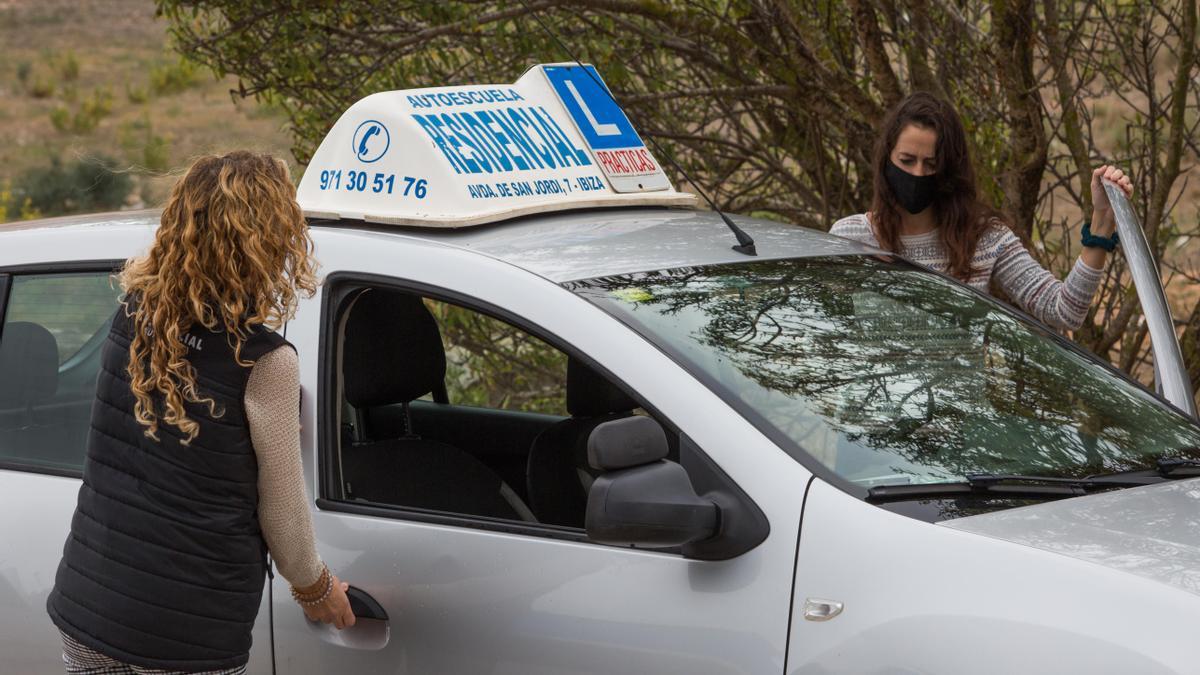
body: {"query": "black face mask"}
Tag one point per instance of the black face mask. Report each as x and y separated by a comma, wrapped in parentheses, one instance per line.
(915, 193)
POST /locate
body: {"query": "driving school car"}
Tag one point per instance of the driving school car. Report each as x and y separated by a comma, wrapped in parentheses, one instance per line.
(554, 423)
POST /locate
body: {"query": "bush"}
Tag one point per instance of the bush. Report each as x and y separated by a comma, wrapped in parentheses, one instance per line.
(41, 87)
(8, 205)
(69, 67)
(143, 147)
(172, 78)
(60, 117)
(92, 184)
(156, 153)
(92, 110)
(87, 118)
(137, 94)
(24, 69)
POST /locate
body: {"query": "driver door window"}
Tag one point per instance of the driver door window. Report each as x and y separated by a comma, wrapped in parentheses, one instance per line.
(448, 410)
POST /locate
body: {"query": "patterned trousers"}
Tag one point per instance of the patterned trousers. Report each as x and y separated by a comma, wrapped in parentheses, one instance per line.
(81, 660)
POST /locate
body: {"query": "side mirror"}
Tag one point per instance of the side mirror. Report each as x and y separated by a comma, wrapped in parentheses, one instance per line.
(641, 498)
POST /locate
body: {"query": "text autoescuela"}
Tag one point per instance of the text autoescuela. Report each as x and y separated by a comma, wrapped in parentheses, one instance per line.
(499, 139)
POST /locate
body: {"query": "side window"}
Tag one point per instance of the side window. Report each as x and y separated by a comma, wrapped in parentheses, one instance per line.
(492, 364)
(447, 409)
(50, 342)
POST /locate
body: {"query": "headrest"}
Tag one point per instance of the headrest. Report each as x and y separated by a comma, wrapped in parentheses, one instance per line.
(590, 395)
(392, 350)
(626, 442)
(29, 361)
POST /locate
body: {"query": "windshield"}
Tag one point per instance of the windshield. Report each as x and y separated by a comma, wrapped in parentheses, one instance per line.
(888, 374)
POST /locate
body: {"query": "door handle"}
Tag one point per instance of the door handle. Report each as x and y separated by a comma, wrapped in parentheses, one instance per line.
(367, 635)
(364, 606)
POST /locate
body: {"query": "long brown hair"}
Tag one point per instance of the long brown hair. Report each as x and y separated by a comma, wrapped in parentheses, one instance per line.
(961, 217)
(232, 253)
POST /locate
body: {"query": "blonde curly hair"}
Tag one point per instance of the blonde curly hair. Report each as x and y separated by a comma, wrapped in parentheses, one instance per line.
(232, 253)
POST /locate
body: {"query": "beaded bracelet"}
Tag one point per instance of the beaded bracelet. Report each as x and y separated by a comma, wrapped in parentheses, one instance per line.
(317, 601)
(323, 585)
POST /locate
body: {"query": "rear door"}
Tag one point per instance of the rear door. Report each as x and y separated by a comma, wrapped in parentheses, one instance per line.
(53, 320)
(1170, 372)
(463, 594)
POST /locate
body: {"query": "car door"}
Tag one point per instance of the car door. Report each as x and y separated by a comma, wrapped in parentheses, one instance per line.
(463, 594)
(53, 319)
(1170, 372)
(50, 324)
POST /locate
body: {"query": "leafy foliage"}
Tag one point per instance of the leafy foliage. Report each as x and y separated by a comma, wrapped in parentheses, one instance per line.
(88, 115)
(40, 87)
(10, 209)
(492, 364)
(174, 77)
(68, 66)
(773, 104)
(92, 184)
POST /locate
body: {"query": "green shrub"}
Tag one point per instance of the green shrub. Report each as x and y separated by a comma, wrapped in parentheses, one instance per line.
(156, 153)
(60, 117)
(137, 94)
(92, 184)
(172, 78)
(24, 69)
(143, 147)
(85, 120)
(40, 87)
(93, 109)
(68, 67)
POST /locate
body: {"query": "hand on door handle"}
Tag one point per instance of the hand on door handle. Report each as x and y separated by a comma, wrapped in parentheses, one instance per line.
(368, 635)
(364, 606)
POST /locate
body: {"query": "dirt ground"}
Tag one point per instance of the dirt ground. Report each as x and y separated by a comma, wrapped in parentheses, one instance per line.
(74, 56)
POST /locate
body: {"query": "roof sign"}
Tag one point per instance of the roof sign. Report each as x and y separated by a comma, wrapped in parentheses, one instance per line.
(459, 156)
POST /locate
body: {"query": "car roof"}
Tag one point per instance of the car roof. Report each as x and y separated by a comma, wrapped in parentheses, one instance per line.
(565, 246)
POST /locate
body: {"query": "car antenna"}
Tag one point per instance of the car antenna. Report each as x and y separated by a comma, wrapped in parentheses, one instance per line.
(745, 244)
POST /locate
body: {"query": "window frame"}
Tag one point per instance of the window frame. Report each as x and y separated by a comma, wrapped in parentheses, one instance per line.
(5, 284)
(337, 287)
(7, 274)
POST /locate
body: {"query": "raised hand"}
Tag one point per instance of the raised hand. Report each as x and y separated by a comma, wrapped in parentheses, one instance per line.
(1103, 222)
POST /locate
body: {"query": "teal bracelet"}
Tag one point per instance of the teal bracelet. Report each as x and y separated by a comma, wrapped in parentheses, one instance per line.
(1092, 241)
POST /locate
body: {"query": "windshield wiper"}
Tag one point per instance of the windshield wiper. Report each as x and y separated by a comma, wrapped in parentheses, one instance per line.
(1168, 466)
(1001, 486)
(1164, 468)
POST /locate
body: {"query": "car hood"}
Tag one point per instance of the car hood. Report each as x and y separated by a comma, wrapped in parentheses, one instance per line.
(1151, 531)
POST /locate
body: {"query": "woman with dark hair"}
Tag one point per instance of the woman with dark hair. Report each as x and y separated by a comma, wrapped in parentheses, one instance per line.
(927, 209)
(193, 468)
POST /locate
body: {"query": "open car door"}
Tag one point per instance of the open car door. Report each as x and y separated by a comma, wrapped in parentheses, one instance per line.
(1170, 374)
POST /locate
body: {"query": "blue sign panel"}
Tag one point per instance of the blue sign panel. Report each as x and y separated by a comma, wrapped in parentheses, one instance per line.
(601, 121)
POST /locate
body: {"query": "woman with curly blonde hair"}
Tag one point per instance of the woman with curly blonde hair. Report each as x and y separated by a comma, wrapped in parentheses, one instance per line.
(193, 468)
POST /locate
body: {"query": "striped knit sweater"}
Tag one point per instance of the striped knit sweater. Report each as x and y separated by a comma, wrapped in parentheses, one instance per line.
(999, 256)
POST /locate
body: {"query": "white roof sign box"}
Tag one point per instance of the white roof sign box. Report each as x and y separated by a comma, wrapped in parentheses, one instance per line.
(460, 156)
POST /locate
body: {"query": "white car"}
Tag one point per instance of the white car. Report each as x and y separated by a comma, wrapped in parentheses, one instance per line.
(809, 460)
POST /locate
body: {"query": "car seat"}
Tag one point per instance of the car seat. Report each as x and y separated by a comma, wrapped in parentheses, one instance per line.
(392, 354)
(29, 361)
(557, 473)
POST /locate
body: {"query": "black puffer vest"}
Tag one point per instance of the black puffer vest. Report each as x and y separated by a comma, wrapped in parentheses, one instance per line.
(165, 563)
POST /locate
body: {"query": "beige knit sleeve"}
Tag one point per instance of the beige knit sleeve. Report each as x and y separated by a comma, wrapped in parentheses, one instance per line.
(273, 413)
